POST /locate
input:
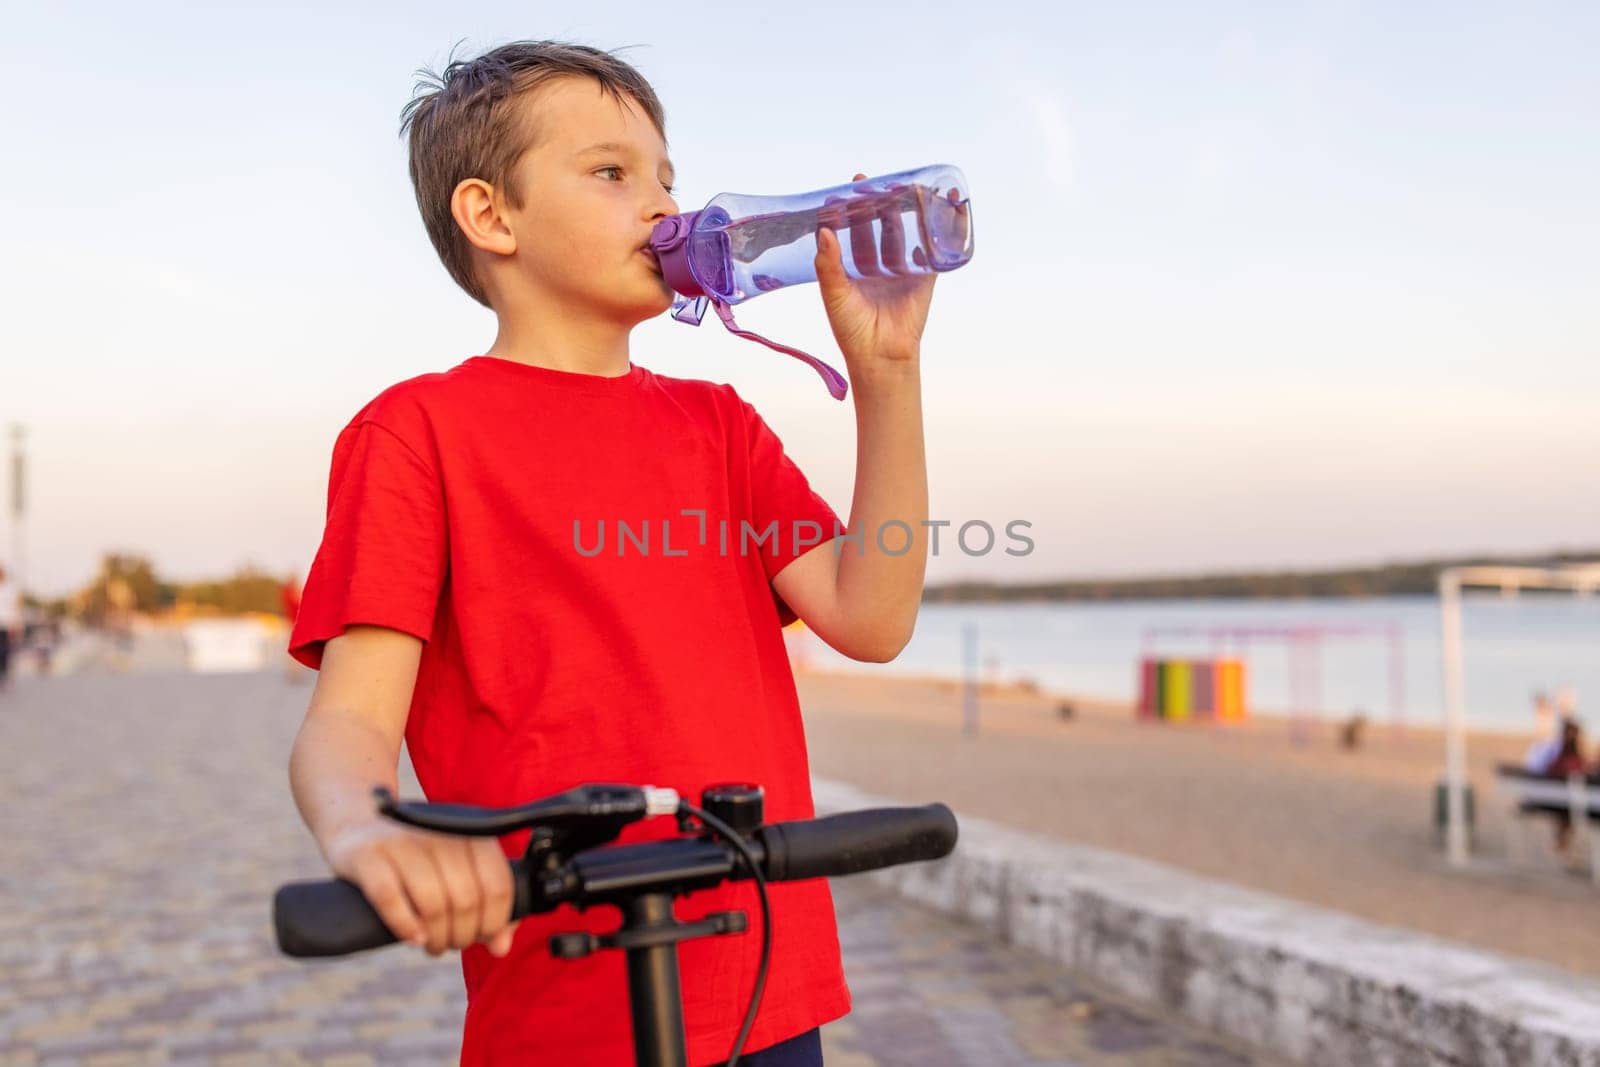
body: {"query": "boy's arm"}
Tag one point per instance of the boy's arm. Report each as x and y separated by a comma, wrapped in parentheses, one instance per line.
(863, 601)
(857, 597)
(435, 890)
(350, 739)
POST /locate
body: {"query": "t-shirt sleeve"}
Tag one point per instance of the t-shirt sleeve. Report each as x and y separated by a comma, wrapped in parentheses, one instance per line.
(780, 492)
(384, 549)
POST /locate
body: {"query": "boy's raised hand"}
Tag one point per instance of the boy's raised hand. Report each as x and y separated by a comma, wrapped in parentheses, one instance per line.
(436, 891)
(877, 319)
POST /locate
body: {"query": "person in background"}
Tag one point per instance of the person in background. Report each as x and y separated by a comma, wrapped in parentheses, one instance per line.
(1567, 702)
(1546, 736)
(1569, 760)
(289, 602)
(10, 624)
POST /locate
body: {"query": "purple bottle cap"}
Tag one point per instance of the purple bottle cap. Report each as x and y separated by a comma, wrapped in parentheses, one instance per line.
(670, 243)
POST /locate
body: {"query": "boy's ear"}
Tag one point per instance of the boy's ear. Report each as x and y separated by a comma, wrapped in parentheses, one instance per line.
(476, 209)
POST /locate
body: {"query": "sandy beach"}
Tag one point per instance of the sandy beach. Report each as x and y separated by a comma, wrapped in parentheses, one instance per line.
(1349, 830)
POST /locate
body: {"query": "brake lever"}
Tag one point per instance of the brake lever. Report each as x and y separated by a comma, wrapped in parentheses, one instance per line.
(580, 818)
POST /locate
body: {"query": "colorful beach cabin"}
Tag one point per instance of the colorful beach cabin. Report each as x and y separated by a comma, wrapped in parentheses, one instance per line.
(1177, 690)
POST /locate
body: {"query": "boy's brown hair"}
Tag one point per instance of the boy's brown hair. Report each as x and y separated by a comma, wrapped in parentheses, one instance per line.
(468, 122)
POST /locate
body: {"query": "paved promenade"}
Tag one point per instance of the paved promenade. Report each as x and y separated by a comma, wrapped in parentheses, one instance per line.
(146, 819)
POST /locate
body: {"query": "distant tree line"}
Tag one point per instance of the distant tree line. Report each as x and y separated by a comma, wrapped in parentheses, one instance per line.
(1389, 579)
(128, 584)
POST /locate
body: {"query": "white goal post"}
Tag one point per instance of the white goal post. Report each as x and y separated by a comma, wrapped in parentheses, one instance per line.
(1576, 577)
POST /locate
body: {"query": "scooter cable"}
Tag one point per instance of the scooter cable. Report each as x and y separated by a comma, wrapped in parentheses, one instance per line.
(731, 835)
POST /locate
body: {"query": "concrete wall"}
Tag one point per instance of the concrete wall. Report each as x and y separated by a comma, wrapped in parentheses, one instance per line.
(1312, 985)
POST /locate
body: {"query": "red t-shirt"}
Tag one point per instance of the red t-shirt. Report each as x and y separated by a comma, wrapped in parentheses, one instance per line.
(467, 508)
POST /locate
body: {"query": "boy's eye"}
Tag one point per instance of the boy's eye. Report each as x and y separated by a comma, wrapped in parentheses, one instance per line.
(671, 189)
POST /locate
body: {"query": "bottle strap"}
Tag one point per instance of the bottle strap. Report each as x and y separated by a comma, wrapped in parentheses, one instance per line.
(837, 386)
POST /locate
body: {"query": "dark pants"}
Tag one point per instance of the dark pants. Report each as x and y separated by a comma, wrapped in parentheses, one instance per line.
(5, 654)
(802, 1051)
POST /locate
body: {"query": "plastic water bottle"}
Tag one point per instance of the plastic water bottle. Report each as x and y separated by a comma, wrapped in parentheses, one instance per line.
(739, 246)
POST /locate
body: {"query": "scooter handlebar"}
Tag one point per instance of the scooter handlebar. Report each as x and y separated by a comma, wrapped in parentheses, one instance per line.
(332, 917)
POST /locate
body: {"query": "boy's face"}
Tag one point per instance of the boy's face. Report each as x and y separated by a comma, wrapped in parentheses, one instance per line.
(594, 184)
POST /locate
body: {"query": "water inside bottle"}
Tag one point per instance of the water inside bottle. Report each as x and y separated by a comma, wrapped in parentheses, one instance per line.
(883, 231)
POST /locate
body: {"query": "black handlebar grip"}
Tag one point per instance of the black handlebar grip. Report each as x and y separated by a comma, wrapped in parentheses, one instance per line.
(332, 917)
(329, 917)
(856, 841)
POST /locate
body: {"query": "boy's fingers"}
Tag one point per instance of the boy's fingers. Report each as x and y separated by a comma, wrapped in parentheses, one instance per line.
(425, 887)
(827, 258)
(829, 264)
(454, 860)
(476, 868)
(494, 880)
(863, 250)
(380, 884)
(894, 242)
(500, 944)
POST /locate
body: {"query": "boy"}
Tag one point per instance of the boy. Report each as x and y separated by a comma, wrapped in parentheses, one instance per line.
(458, 599)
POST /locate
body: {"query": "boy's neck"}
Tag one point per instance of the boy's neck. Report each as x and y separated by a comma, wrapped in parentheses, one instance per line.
(563, 344)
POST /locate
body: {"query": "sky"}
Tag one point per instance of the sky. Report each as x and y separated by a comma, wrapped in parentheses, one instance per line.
(1254, 286)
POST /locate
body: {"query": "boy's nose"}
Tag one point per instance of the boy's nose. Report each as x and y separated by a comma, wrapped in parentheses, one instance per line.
(661, 206)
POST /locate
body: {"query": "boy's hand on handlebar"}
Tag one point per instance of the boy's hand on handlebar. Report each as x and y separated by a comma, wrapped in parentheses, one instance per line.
(436, 891)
